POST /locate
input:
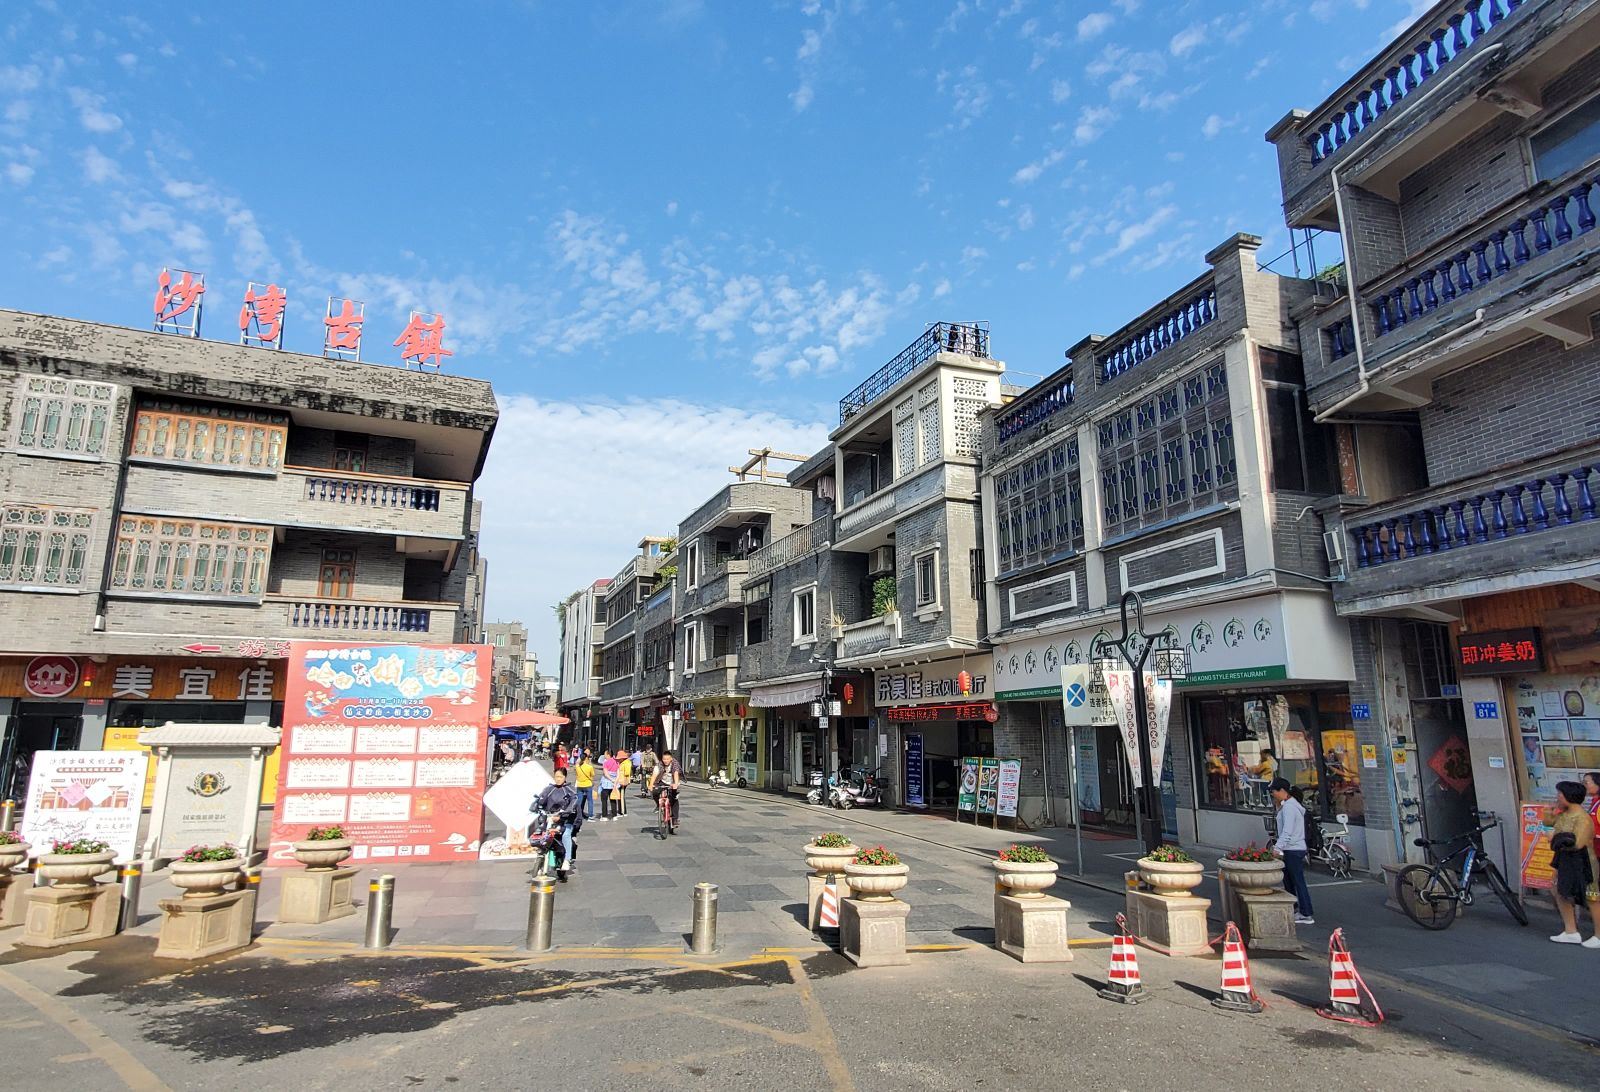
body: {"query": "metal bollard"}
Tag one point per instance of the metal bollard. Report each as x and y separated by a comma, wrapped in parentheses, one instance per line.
(541, 913)
(380, 907)
(703, 935)
(132, 876)
(249, 879)
(8, 815)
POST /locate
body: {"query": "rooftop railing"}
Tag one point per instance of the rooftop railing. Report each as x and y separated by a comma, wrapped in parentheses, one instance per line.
(1178, 322)
(1405, 67)
(1034, 407)
(969, 338)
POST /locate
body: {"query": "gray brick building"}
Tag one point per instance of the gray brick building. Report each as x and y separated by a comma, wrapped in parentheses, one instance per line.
(1457, 366)
(176, 510)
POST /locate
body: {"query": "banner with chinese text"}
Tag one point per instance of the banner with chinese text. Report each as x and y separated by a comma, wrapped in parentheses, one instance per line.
(1158, 707)
(84, 794)
(388, 742)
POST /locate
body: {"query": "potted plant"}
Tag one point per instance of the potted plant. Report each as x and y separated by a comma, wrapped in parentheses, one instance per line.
(1170, 871)
(323, 848)
(1026, 871)
(75, 862)
(1252, 869)
(13, 850)
(876, 874)
(885, 596)
(204, 871)
(827, 854)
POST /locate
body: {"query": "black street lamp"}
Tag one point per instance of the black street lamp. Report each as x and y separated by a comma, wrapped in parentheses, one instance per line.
(1171, 662)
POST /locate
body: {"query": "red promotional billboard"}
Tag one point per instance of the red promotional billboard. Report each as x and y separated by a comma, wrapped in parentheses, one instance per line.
(387, 742)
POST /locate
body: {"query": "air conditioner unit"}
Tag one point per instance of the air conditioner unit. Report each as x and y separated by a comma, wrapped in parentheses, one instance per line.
(1333, 545)
(881, 560)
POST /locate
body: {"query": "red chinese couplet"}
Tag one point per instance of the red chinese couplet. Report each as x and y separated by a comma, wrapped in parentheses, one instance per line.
(387, 742)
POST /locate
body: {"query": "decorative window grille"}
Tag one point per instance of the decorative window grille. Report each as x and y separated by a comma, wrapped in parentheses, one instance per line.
(971, 397)
(194, 557)
(1169, 456)
(43, 546)
(59, 416)
(1040, 504)
(905, 438)
(214, 436)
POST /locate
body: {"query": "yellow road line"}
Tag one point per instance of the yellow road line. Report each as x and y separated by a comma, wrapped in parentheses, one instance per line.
(116, 1057)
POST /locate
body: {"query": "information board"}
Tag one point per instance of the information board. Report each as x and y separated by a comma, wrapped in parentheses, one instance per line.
(1010, 787)
(84, 794)
(967, 792)
(1537, 867)
(386, 741)
(988, 785)
(916, 789)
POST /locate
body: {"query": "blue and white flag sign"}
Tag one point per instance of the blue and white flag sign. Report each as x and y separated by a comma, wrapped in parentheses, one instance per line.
(1084, 703)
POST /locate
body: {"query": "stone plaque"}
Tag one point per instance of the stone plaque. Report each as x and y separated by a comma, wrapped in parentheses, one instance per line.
(207, 800)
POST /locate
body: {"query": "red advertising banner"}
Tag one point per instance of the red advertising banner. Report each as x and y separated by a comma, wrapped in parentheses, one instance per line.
(388, 742)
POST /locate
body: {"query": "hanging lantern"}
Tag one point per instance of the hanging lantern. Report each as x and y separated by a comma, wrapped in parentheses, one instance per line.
(87, 675)
(849, 693)
(964, 683)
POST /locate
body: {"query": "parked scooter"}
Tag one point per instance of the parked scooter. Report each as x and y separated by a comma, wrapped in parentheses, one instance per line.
(817, 787)
(859, 788)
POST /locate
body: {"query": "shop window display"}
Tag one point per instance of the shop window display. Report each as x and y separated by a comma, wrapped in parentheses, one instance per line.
(1247, 740)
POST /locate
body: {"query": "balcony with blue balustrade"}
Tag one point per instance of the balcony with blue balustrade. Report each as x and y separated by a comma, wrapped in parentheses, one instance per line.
(1476, 536)
(1163, 327)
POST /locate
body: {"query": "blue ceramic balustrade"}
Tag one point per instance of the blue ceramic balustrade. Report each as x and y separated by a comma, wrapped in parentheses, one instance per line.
(1171, 328)
(1553, 499)
(1458, 33)
(1034, 407)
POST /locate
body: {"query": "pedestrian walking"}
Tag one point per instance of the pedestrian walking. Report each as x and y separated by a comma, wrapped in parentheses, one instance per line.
(561, 757)
(608, 785)
(624, 779)
(584, 776)
(1291, 846)
(1577, 870)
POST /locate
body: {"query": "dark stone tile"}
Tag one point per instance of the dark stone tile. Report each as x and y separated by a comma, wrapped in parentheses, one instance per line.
(623, 924)
(748, 838)
(758, 892)
(736, 851)
(645, 882)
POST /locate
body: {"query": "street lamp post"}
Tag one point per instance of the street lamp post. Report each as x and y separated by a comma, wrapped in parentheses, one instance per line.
(1135, 647)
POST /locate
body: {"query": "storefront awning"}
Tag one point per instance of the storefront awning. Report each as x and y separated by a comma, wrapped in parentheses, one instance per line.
(798, 693)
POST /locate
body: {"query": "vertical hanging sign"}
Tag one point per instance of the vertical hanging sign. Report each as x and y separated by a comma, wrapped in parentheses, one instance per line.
(916, 792)
(1158, 708)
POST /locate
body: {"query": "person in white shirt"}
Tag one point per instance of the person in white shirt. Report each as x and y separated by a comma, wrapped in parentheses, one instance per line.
(1291, 846)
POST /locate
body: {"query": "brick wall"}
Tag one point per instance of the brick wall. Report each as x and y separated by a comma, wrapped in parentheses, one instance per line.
(314, 447)
(1232, 552)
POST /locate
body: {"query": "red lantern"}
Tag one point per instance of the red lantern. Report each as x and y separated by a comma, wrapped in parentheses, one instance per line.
(849, 693)
(964, 682)
(88, 673)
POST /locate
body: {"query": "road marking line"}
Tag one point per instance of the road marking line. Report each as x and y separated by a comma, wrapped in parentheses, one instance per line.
(817, 1021)
(128, 1069)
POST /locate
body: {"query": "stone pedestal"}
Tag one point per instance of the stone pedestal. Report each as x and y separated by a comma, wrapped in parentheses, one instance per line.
(1170, 924)
(14, 888)
(1267, 921)
(814, 886)
(1032, 930)
(65, 914)
(873, 934)
(192, 928)
(315, 896)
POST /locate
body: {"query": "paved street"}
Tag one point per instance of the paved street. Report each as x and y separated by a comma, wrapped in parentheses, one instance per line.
(454, 1003)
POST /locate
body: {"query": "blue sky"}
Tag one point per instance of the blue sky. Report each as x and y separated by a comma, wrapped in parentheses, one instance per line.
(667, 232)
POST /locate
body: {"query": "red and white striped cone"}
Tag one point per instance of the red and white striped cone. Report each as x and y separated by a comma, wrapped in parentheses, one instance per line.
(1345, 988)
(828, 913)
(1123, 983)
(1238, 991)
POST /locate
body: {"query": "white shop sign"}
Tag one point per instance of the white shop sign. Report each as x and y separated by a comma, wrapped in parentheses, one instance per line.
(935, 683)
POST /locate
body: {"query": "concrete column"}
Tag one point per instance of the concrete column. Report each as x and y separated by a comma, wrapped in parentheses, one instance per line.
(93, 736)
(1093, 595)
(1252, 452)
(1494, 769)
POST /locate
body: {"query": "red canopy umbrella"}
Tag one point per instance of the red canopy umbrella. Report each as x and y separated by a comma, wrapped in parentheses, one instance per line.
(527, 718)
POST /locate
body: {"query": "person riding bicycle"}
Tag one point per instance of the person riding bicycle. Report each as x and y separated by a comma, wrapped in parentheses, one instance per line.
(560, 800)
(667, 777)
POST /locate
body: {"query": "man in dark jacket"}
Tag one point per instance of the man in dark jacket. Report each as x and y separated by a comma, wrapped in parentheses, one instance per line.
(561, 800)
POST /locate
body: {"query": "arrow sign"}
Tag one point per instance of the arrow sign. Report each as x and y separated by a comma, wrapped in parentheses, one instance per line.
(199, 648)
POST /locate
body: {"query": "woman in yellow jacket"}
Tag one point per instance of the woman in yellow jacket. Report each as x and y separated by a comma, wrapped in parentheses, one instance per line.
(624, 779)
(585, 785)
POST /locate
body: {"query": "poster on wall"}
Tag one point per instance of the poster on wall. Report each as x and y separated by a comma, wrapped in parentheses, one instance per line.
(916, 789)
(386, 741)
(1088, 759)
(967, 792)
(1538, 870)
(1010, 787)
(84, 794)
(1558, 718)
(988, 785)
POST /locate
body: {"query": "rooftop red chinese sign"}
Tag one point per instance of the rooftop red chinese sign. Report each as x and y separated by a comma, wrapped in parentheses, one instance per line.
(1501, 652)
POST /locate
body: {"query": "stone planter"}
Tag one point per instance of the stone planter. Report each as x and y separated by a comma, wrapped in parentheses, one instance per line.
(876, 883)
(1171, 878)
(1252, 877)
(829, 861)
(1026, 880)
(204, 879)
(74, 869)
(12, 855)
(323, 855)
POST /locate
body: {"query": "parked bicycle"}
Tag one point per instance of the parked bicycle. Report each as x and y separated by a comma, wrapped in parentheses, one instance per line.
(1324, 845)
(1433, 894)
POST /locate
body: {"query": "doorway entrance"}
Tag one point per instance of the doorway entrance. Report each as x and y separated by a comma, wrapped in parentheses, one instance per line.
(37, 726)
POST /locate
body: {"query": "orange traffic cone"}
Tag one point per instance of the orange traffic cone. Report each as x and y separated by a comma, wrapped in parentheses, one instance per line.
(1238, 992)
(828, 915)
(1346, 987)
(1124, 985)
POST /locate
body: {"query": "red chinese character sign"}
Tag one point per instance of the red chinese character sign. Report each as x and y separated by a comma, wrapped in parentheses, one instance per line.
(422, 341)
(1502, 652)
(343, 325)
(388, 742)
(50, 676)
(261, 317)
(177, 305)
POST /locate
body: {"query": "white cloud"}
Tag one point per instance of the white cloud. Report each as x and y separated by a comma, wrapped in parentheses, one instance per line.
(97, 167)
(1030, 173)
(536, 441)
(19, 174)
(1092, 121)
(942, 289)
(1025, 218)
(808, 55)
(672, 208)
(969, 94)
(1186, 41)
(1211, 126)
(128, 61)
(90, 115)
(1131, 235)
(1093, 25)
(1060, 91)
(19, 79)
